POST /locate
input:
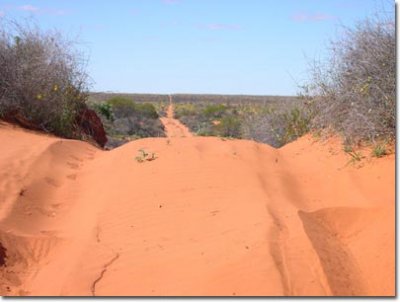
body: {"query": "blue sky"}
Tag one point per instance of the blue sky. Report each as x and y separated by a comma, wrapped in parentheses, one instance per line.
(258, 47)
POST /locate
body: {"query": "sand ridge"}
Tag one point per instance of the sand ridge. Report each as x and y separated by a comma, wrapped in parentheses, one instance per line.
(208, 217)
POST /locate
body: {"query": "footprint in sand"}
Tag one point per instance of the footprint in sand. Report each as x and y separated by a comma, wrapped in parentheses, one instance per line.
(52, 182)
(48, 233)
(76, 158)
(73, 166)
(71, 176)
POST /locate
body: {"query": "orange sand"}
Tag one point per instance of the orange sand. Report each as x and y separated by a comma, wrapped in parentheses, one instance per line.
(207, 217)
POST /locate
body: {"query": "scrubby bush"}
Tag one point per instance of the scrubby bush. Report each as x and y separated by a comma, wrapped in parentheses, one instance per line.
(296, 123)
(147, 110)
(42, 78)
(214, 110)
(185, 109)
(105, 110)
(125, 120)
(122, 107)
(207, 119)
(354, 92)
(229, 126)
(273, 124)
(276, 126)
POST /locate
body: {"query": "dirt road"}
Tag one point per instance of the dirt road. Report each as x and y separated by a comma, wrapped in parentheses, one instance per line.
(173, 127)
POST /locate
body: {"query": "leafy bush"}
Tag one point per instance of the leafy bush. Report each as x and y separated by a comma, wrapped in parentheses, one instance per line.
(105, 109)
(355, 91)
(42, 78)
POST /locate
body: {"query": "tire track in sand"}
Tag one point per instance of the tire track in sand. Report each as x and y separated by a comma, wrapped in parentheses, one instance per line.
(173, 127)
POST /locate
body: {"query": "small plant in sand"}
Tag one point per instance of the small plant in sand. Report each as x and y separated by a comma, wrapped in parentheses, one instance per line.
(379, 150)
(347, 148)
(355, 155)
(145, 156)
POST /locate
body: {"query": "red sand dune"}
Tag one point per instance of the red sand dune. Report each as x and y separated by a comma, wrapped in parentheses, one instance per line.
(208, 216)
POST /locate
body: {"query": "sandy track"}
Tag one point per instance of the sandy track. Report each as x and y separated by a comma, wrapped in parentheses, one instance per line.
(173, 127)
(207, 217)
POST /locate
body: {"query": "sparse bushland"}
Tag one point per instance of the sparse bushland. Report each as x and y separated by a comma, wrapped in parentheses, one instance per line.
(122, 107)
(277, 125)
(125, 120)
(272, 123)
(231, 99)
(42, 79)
(208, 119)
(354, 92)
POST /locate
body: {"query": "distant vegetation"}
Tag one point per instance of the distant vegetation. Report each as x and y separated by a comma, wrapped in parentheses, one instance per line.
(232, 99)
(191, 98)
(125, 120)
(43, 83)
(274, 123)
(274, 120)
(159, 101)
(208, 119)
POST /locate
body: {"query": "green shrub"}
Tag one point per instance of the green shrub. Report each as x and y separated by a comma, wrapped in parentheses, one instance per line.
(214, 110)
(379, 150)
(121, 107)
(185, 109)
(229, 126)
(105, 109)
(146, 110)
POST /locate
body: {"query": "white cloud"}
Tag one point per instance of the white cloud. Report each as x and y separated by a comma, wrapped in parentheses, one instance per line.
(49, 11)
(28, 8)
(303, 17)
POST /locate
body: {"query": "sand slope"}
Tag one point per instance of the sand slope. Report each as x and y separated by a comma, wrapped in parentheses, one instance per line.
(206, 217)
